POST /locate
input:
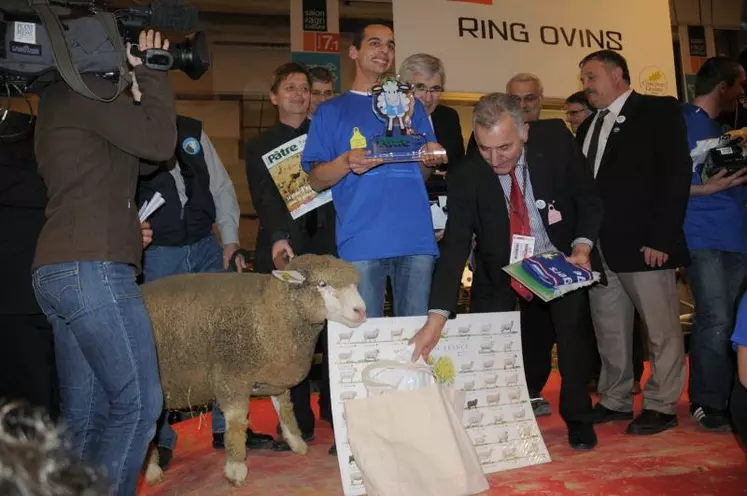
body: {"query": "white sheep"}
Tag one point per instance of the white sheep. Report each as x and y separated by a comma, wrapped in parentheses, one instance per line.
(229, 336)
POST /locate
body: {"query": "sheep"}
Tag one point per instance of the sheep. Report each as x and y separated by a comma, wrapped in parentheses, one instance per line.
(229, 336)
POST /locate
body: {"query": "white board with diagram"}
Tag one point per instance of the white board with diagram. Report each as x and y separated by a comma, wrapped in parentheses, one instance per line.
(480, 353)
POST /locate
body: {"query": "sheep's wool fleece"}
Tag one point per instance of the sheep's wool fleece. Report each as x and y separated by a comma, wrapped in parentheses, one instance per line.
(219, 334)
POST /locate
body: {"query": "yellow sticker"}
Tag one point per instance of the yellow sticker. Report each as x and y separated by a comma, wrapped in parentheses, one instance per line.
(357, 140)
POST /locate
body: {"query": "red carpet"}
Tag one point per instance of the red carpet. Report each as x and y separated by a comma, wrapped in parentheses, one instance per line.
(683, 461)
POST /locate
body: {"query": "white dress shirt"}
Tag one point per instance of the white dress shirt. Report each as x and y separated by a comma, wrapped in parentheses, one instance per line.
(609, 122)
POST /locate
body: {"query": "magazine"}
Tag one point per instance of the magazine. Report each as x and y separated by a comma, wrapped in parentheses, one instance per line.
(284, 164)
(557, 283)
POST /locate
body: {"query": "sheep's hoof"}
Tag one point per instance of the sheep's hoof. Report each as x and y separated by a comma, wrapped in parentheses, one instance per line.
(235, 472)
(297, 444)
(153, 474)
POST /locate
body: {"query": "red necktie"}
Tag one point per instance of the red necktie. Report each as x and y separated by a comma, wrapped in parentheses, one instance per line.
(519, 221)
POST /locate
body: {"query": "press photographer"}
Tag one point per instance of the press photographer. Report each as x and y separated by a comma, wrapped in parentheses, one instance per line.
(89, 253)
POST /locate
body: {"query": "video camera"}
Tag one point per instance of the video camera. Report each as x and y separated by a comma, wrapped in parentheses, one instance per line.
(729, 154)
(45, 40)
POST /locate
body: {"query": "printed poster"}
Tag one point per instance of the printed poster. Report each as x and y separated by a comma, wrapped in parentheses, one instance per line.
(284, 164)
(482, 352)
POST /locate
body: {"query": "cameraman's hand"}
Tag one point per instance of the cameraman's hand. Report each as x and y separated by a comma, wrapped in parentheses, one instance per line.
(148, 39)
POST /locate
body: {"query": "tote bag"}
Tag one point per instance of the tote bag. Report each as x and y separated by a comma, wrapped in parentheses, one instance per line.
(411, 442)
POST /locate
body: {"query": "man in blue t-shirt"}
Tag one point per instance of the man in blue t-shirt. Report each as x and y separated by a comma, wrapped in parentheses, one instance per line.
(716, 232)
(738, 401)
(384, 224)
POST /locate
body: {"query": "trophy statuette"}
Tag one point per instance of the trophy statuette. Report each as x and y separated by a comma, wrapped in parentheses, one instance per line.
(392, 101)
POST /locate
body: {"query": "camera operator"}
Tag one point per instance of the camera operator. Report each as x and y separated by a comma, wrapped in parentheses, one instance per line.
(88, 256)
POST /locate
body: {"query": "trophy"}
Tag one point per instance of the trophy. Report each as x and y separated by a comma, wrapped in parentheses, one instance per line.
(392, 101)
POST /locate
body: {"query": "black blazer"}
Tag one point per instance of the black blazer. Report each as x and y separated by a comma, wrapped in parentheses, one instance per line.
(477, 205)
(275, 222)
(448, 131)
(644, 182)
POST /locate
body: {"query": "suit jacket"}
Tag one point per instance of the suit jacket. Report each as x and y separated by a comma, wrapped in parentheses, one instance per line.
(644, 182)
(477, 205)
(313, 232)
(448, 131)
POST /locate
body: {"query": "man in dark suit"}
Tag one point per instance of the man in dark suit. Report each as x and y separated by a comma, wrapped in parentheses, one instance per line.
(280, 237)
(636, 146)
(427, 75)
(541, 190)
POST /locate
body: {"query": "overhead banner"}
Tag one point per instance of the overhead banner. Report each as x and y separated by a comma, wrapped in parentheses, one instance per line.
(483, 43)
(315, 35)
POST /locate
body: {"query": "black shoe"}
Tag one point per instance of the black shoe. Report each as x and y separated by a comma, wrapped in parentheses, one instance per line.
(281, 445)
(710, 419)
(651, 422)
(254, 441)
(603, 414)
(540, 406)
(333, 450)
(582, 436)
(164, 457)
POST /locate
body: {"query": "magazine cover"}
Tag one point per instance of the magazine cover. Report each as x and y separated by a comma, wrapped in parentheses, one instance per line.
(284, 164)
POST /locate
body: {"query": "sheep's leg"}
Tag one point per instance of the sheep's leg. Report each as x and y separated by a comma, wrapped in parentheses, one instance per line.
(153, 474)
(235, 437)
(288, 424)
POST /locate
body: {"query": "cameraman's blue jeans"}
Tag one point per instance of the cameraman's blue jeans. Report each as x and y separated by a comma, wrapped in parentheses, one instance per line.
(106, 362)
(205, 255)
(411, 284)
(717, 279)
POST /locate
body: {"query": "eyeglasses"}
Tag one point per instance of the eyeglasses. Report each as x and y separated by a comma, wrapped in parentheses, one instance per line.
(326, 93)
(421, 88)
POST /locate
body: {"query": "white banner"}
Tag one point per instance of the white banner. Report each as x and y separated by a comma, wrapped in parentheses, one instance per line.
(479, 353)
(483, 43)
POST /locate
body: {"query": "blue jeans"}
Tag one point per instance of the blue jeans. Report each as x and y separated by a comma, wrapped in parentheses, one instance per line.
(716, 279)
(106, 362)
(411, 284)
(205, 255)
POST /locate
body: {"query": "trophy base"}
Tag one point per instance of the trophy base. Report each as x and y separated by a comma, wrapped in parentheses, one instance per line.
(400, 148)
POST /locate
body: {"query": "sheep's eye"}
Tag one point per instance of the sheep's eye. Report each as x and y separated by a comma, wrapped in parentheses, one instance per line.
(322, 284)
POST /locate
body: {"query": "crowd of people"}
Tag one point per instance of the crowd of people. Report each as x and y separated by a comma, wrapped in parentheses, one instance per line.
(617, 193)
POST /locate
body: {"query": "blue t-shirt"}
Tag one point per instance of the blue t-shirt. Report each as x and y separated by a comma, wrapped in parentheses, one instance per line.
(717, 221)
(384, 212)
(739, 337)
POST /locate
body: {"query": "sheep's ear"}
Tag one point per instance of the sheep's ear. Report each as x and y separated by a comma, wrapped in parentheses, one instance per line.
(289, 276)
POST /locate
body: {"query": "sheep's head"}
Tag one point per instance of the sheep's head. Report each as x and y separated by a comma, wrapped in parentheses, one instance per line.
(336, 283)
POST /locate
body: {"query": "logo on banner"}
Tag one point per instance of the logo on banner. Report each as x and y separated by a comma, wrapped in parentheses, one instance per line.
(481, 2)
(653, 81)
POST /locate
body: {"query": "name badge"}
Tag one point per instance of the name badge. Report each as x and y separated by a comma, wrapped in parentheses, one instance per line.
(521, 247)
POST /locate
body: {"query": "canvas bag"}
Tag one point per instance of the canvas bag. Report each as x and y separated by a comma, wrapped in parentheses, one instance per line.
(411, 442)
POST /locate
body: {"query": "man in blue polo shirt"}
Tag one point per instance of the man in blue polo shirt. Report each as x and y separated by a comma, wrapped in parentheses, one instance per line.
(716, 232)
(384, 224)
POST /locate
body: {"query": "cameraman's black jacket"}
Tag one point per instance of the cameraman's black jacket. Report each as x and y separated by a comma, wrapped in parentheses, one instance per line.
(173, 225)
(313, 232)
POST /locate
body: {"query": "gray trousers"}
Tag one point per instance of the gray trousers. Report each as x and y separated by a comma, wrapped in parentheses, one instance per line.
(654, 295)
